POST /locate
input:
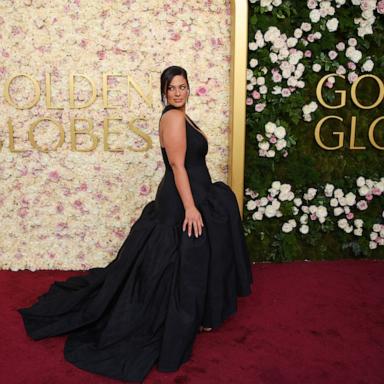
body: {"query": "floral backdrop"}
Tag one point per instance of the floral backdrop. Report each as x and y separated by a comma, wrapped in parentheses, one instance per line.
(302, 201)
(66, 209)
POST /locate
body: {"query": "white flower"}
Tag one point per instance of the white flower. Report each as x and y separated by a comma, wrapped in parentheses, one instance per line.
(273, 57)
(304, 229)
(316, 67)
(276, 184)
(332, 24)
(298, 33)
(364, 190)
(358, 232)
(270, 211)
(372, 245)
(350, 198)
(338, 211)
(352, 42)
(253, 63)
(257, 215)
(287, 227)
(306, 27)
(360, 181)
(252, 46)
(297, 201)
(270, 127)
(280, 132)
(353, 54)
(272, 34)
(322, 211)
(304, 219)
(334, 202)
(314, 15)
(342, 223)
(251, 204)
(280, 144)
(338, 193)
(367, 66)
(328, 190)
(291, 42)
(358, 223)
(264, 145)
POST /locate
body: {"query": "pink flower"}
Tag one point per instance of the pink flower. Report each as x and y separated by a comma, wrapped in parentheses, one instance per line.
(269, 198)
(350, 216)
(313, 216)
(101, 55)
(351, 65)
(273, 139)
(198, 44)
(22, 212)
(175, 36)
(78, 204)
(376, 191)
(285, 92)
(249, 101)
(380, 7)
(54, 176)
(201, 91)
(311, 38)
(119, 233)
(362, 205)
(144, 190)
(259, 107)
(369, 196)
(256, 95)
(307, 53)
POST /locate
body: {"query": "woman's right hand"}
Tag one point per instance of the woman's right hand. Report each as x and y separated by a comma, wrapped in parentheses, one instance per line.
(193, 219)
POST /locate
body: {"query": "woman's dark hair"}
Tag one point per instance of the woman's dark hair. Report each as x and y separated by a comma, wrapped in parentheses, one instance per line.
(167, 76)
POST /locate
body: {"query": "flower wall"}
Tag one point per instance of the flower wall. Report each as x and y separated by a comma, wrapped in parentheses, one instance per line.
(315, 130)
(72, 209)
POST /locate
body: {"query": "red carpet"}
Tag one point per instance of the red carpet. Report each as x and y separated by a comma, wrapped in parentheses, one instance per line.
(306, 322)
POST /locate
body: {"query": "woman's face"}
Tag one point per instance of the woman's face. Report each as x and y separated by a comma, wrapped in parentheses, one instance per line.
(177, 92)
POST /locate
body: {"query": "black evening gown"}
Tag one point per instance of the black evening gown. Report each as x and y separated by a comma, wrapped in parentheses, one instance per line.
(145, 307)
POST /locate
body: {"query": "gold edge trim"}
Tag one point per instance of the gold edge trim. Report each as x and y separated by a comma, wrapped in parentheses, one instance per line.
(238, 84)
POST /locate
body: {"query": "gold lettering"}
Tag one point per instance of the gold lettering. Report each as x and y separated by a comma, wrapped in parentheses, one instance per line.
(12, 138)
(142, 134)
(372, 132)
(36, 87)
(379, 98)
(31, 134)
(320, 96)
(48, 92)
(106, 134)
(87, 131)
(318, 138)
(353, 135)
(72, 91)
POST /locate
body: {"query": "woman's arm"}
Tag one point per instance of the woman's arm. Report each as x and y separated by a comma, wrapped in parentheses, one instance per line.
(172, 126)
(173, 129)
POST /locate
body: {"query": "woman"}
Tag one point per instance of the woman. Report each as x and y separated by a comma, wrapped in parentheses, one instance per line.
(179, 270)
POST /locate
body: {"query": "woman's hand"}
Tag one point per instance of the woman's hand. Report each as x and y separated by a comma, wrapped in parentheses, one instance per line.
(193, 219)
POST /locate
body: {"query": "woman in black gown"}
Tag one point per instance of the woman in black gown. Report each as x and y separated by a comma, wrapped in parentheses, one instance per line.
(180, 268)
